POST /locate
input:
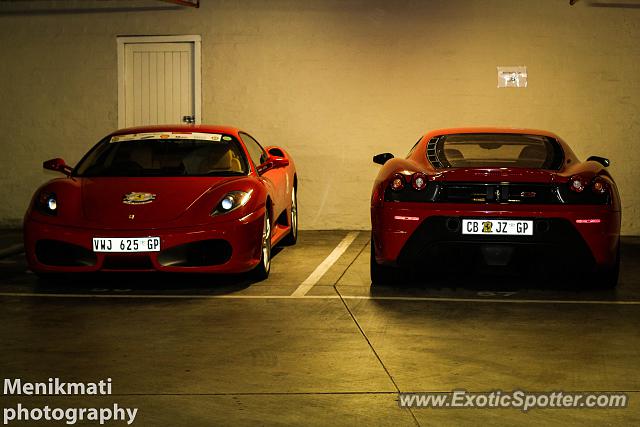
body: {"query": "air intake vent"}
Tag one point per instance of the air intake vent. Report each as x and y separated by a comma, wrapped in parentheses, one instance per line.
(459, 192)
(63, 254)
(432, 152)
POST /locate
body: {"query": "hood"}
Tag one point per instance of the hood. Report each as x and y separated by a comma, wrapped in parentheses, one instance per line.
(152, 201)
(496, 175)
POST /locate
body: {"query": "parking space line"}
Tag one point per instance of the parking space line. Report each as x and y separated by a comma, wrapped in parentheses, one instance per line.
(310, 297)
(325, 265)
(494, 300)
(11, 250)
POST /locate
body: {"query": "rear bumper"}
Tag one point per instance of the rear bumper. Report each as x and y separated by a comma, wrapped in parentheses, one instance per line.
(406, 233)
(224, 247)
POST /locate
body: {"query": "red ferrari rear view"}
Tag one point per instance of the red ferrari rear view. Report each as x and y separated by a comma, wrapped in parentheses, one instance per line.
(495, 198)
(165, 198)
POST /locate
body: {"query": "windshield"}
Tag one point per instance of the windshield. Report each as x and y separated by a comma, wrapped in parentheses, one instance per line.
(164, 154)
(498, 150)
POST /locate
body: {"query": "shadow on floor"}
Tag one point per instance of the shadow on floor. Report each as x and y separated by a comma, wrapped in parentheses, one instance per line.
(144, 283)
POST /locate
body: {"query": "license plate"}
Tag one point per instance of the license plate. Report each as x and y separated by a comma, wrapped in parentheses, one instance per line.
(503, 227)
(126, 244)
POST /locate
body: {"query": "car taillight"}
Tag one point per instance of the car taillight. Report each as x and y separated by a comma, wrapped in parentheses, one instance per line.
(397, 183)
(578, 183)
(600, 186)
(419, 181)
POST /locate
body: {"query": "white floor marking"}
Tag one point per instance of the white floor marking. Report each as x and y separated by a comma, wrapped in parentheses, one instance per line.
(13, 249)
(497, 300)
(325, 265)
(310, 297)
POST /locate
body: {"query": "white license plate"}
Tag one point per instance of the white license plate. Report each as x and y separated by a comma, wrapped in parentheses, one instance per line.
(503, 227)
(126, 244)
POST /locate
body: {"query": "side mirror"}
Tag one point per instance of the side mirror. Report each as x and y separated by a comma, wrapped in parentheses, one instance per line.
(278, 162)
(275, 152)
(602, 160)
(383, 158)
(57, 165)
(273, 163)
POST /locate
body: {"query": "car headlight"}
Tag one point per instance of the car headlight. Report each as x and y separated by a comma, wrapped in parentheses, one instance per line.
(232, 201)
(47, 203)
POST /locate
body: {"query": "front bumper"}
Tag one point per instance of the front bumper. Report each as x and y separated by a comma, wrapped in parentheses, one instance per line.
(407, 233)
(223, 247)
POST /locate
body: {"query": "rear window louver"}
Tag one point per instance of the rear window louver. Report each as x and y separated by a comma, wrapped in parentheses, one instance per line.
(432, 152)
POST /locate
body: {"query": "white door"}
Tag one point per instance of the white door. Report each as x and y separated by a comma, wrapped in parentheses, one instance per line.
(159, 80)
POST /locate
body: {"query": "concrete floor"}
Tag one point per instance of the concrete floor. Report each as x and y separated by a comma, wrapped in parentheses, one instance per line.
(221, 351)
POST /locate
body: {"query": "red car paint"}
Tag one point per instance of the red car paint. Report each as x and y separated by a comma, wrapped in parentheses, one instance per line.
(92, 207)
(395, 222)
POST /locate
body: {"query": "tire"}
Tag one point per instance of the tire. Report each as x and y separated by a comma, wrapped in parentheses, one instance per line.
(291, 238)
(261, 271)
(380, 274)
(608, 278)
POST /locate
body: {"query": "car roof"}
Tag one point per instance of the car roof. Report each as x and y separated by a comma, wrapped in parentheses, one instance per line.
(178, 128)
(518, 131)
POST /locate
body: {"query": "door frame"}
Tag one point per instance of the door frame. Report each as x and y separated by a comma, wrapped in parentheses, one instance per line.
(197, 69)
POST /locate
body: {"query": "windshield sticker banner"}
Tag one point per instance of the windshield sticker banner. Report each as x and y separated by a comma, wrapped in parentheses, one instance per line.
(215, 137)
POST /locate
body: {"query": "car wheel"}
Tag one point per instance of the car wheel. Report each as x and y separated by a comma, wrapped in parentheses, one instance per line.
(261, 271)
(380, 274)
(608, 279)
(292, 237)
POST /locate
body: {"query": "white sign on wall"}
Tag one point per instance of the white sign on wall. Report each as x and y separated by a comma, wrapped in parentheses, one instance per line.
(512, 77)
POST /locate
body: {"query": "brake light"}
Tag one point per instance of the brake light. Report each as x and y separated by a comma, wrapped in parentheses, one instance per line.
(588, 221)
(419, 181)
(397, 183)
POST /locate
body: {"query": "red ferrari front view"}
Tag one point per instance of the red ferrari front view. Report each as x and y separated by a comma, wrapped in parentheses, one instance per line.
(494, 198)
(168, 198)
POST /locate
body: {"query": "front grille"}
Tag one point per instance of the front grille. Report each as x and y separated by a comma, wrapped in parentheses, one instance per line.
(127, 262)
(62, 254)
(197, 254)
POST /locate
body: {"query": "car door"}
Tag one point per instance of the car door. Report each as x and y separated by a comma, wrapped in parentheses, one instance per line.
(274, 179)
